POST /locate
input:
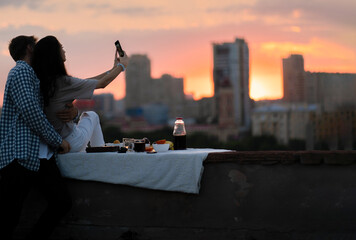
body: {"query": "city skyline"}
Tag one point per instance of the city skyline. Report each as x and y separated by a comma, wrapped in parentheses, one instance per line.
(179, 38)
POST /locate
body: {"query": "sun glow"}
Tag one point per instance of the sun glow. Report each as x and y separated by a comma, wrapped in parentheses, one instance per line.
(178, 37)
(260, 89)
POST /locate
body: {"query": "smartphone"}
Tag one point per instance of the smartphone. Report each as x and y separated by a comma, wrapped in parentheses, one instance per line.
(119, 49)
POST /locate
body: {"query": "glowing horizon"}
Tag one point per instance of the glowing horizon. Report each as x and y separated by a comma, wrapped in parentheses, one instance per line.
(178, 37)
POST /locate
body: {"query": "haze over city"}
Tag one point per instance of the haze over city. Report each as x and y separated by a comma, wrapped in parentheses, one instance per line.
(178, 35)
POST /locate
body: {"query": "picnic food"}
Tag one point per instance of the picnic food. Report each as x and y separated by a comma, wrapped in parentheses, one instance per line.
(149, 149)
(162, 141)
(171, 145)
(161, 147)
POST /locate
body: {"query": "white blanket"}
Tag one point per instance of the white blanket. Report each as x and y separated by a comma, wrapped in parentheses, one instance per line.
(171, 171)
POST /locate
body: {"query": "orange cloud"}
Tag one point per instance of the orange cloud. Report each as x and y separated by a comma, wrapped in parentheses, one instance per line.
(316, 47)
(319, 55)
(295, 29)
(297, 13)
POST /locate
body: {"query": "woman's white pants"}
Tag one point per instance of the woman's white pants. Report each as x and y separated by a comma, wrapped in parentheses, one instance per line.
(87, 130)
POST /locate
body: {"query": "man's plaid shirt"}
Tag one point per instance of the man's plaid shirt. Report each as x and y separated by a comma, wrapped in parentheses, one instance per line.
(23, 122)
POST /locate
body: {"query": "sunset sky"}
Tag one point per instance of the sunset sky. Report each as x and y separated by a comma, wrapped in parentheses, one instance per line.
(178, 35)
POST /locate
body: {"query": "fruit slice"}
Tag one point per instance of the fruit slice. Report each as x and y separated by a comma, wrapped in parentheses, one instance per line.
(171, 145)
(162, 141)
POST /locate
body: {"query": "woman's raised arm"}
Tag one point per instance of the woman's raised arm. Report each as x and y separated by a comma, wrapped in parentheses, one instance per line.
(106, 78)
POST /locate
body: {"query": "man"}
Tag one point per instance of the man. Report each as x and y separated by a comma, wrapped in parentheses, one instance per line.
(28, 146)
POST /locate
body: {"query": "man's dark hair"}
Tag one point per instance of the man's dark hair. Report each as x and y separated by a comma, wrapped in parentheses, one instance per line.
(18, 46)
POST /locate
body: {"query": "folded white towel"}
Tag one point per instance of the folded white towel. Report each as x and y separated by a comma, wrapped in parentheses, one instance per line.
(171, 171)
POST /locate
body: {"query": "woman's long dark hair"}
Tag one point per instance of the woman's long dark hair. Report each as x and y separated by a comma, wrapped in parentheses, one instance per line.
(48, 64)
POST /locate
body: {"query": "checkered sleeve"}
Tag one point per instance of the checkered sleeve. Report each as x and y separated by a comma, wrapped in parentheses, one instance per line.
(26, 99)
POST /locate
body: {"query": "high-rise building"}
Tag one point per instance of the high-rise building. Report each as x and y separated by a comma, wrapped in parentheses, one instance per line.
(138, 81)
(142, 90)
(330, 90)
(293, 79)
(169, 90)
(231, 83)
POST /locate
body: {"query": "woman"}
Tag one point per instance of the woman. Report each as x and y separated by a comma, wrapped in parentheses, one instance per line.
(59, 89)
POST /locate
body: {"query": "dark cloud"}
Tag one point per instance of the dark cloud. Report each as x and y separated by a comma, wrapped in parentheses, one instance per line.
(334, 13)
(133, 11)
(228, 9)
(339, 12)
(12, 3)
(277, 7)
(139, 11)
(33, 4)
(99, 6)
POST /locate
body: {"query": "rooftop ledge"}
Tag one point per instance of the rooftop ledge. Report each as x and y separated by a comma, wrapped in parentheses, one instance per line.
(338, 157)
(267, 195)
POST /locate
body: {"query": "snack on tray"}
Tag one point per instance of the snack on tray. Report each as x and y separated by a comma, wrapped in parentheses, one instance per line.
(149, 149)
(171, 145)
(161, 147)
(162, 141)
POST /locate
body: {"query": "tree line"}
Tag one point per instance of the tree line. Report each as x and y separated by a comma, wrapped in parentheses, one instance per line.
(204, 140)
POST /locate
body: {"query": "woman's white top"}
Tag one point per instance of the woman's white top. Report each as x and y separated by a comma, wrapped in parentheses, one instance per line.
(67, 90)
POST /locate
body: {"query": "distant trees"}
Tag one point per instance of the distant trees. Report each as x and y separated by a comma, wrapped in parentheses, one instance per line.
(204, 140)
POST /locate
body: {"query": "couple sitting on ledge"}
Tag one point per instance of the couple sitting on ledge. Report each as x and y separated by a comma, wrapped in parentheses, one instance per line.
(37, 121)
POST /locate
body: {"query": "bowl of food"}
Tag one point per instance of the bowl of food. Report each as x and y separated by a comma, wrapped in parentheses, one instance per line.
(161, 147)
